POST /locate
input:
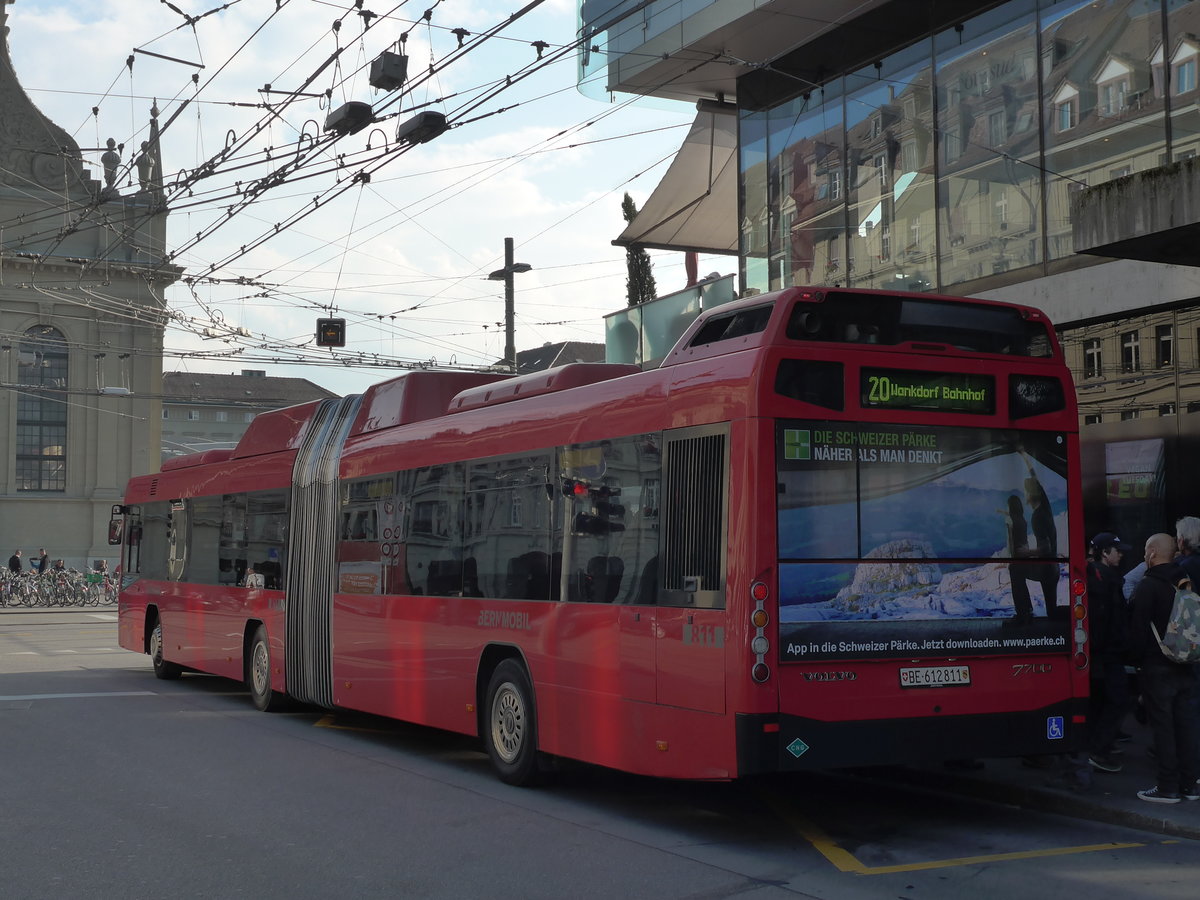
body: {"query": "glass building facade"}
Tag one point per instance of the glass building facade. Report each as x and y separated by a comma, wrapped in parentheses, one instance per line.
(950, 165)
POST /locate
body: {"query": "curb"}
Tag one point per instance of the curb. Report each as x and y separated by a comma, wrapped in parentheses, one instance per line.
(43, 610)
(1063, 803)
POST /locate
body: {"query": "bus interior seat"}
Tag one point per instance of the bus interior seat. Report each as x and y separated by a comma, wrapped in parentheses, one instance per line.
(862, 333)
(470, 578)
(445, 577)
(269, 569)
(528, 577)
(556, 576)
(647, 592)
(601, 580)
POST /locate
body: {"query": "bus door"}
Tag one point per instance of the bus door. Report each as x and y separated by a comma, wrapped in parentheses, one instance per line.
(689, 625)
(672, 652)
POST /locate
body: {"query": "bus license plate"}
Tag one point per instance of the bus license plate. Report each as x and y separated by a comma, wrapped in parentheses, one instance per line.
(935, 676)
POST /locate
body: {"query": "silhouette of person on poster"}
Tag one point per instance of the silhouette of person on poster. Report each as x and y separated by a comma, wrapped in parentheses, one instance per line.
(1044, 548)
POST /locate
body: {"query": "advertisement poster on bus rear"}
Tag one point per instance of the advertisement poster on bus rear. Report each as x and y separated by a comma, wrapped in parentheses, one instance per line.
(903, 541)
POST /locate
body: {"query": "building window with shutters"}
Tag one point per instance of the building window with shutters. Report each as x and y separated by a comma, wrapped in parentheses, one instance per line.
(1164, 346)
(1131, 352)
(1093, 358)
(41, 457)
(1066, 115)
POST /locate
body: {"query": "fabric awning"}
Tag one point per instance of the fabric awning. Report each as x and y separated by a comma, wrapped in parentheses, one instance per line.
(694, 207)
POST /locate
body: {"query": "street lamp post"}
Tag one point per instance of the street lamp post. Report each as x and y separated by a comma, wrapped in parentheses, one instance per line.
(506, 275)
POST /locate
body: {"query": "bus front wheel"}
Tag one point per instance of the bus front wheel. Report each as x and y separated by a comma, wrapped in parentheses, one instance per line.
(167, 671)
(510, 727)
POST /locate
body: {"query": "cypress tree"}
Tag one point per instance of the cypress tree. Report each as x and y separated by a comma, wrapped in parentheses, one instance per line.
(639, 283)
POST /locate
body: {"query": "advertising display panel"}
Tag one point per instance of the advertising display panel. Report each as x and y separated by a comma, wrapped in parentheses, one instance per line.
(903, 541)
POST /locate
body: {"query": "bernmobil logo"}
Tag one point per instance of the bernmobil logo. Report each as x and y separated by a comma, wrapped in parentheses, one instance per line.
(503, 618)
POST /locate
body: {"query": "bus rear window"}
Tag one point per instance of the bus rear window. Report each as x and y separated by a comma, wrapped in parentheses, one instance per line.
(812, 381)
(847, 317)
(733, 325)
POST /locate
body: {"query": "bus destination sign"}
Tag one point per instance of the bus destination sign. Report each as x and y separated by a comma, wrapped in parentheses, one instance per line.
(941, 391)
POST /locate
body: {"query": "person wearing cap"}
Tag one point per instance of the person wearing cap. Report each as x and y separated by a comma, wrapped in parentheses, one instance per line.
(1111, 698)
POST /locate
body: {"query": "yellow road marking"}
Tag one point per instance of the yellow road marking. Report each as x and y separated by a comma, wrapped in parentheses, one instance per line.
(845, 861)
(331, 722)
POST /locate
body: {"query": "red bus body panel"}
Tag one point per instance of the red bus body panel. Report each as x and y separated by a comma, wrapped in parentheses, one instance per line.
(658, 690)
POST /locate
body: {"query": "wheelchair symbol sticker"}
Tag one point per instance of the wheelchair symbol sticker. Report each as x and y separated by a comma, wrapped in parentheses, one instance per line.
(1054, 728)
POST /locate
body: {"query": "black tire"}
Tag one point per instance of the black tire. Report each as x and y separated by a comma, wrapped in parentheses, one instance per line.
(258, 674)
(167, 671)
(510, 724)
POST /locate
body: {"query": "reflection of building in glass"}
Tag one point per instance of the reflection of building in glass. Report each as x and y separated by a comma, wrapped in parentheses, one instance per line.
(882, 153)
(203, 411)
(583, 520)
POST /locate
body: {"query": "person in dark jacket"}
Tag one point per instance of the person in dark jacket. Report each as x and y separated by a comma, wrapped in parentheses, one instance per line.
(1111, 698)
(1169, 688)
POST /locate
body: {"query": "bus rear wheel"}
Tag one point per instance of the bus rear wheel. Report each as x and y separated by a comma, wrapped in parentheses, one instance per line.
(510, 725)
(258, 674)
(167, 671)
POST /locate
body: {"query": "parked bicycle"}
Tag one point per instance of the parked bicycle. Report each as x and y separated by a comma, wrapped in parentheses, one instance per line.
(68, 587)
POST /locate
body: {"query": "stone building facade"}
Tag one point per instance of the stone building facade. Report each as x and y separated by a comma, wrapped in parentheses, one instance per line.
(82, 316)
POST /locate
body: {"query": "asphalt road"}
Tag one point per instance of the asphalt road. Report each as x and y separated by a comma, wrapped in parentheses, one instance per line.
(114, 784)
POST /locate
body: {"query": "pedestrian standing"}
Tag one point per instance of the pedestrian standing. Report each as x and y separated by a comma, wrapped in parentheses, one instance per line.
(14, 563)
(1169, 688)
(43, 562)
(1111, 699)
(1187, 536)
(1132, 577)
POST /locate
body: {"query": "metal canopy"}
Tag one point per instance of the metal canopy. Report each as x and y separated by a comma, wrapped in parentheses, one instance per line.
(694, 207)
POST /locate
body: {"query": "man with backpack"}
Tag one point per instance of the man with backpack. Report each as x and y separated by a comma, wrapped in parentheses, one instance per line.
(1111, 697)
(1169, 688)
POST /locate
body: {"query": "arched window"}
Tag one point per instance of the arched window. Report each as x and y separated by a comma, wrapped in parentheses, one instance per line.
(42, 411)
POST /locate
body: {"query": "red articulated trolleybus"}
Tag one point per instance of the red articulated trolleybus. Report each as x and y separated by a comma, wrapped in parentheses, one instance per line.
(832, 528)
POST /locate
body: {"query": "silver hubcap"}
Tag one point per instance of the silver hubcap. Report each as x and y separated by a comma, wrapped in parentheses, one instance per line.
(508, 722)
(260, 669)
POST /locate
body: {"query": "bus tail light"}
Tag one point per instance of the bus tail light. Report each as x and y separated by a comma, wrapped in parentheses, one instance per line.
(760, 644)
(1079, 618)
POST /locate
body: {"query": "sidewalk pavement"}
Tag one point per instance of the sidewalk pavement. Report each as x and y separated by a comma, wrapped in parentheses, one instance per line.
(1112, 797)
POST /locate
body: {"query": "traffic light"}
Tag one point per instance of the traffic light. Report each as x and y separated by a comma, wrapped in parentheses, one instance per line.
(331, 332)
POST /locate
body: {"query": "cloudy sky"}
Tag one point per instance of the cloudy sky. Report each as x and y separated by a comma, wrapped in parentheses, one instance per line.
(403, 256)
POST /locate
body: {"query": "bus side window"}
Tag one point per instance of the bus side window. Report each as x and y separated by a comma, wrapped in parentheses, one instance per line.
(608, 521)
